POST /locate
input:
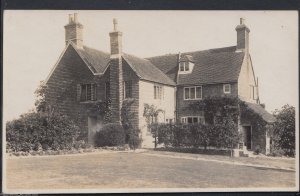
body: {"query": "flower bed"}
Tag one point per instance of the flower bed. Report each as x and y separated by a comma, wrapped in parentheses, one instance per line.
(208, 151)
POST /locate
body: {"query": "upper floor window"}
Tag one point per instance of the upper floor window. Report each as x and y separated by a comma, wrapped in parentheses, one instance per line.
(158, 92)
(86, 92)
(227, 88)
(186, 64)
(192, 93)
(127, 89)
(107, 90)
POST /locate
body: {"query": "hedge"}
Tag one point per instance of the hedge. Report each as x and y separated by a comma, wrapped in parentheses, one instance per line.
(41, 131)
(196, 135)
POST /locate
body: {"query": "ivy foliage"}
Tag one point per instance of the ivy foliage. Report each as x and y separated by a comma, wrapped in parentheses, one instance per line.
(101, 108)
(132, 133)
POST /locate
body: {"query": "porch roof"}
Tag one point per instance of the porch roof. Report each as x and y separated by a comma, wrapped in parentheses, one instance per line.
(269, 118)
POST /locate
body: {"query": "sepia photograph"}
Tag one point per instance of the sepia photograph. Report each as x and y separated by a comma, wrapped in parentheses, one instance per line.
(109, 101)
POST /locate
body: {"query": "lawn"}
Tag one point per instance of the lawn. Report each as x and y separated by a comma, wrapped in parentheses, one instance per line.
(135, 170)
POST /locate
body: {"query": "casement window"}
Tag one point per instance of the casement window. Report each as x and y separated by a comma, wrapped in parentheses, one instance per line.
(158, 92)
(169, 120)
(227, 88)
(107, 90)
(192, 93)
(193, 119)
(184, 66)
(127, 89)
(86, 92)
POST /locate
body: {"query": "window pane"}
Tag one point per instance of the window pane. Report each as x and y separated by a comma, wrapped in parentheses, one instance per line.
(83, 92)
(181, 66)
(89, 92)
(187, 66)
(195, 120)
(190, 120)
(94, 92)
(192, 93)
(154, 92)
(186, 93)
(199, 92)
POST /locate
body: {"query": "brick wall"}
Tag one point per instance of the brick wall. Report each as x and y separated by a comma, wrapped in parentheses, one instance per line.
(129, 75)
(62, 87)
(207, 90)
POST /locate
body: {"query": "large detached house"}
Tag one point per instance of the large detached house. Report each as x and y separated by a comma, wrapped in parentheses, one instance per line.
(83, 75)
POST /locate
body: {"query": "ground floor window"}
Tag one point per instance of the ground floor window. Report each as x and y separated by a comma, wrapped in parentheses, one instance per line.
(193, 119)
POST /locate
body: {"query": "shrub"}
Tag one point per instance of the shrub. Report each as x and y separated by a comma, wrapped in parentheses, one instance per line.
(134, 141)
(111, 134)
(257, 150)
(34, 131)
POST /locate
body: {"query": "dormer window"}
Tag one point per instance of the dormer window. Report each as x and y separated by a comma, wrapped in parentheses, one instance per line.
(186, 64)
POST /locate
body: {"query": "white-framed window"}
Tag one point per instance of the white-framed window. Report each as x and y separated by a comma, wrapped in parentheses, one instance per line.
(127, 89)
(192, 93)
(227, 88)
(158, 92)
(193, 119)
(86, 92)
(185, 67)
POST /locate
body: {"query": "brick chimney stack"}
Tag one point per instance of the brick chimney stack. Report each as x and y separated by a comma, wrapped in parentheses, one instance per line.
(242, 37)
(74, 31)
(115, 41)
(116, 72)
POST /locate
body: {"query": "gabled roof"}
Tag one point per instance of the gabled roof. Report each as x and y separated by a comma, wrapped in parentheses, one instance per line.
(146, 70)
(269, 118)
(211, 66)
(95, 58)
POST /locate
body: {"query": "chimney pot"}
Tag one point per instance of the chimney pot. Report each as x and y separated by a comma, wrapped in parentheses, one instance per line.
(242, 21)
(75, 17)
(115, 22)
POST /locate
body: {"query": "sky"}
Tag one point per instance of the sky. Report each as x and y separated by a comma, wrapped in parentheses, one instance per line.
(34, 40)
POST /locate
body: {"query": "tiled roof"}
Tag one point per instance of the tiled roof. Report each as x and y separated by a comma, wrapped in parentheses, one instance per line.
(211, 66)
(146, 70)
(96, 59)
(261, 111)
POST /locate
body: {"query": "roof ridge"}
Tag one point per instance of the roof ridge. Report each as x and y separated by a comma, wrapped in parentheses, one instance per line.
(206, 50)
(88, 47)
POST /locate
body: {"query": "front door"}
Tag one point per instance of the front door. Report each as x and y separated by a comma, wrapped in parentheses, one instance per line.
(247, 137)
(95, 123)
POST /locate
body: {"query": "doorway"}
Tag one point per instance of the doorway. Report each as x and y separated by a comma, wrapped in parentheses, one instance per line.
(247, 136)
(95, 123)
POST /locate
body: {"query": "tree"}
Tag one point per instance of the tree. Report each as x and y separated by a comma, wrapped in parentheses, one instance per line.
(151, 113)
(284, 130)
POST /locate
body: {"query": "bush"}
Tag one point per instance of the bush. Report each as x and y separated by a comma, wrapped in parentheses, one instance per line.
(36, 131)
(196, 135)
(111, 134)
(134, 141)
(257, 150)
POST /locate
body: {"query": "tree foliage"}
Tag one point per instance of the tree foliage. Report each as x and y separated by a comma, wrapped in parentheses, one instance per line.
(284, 130)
